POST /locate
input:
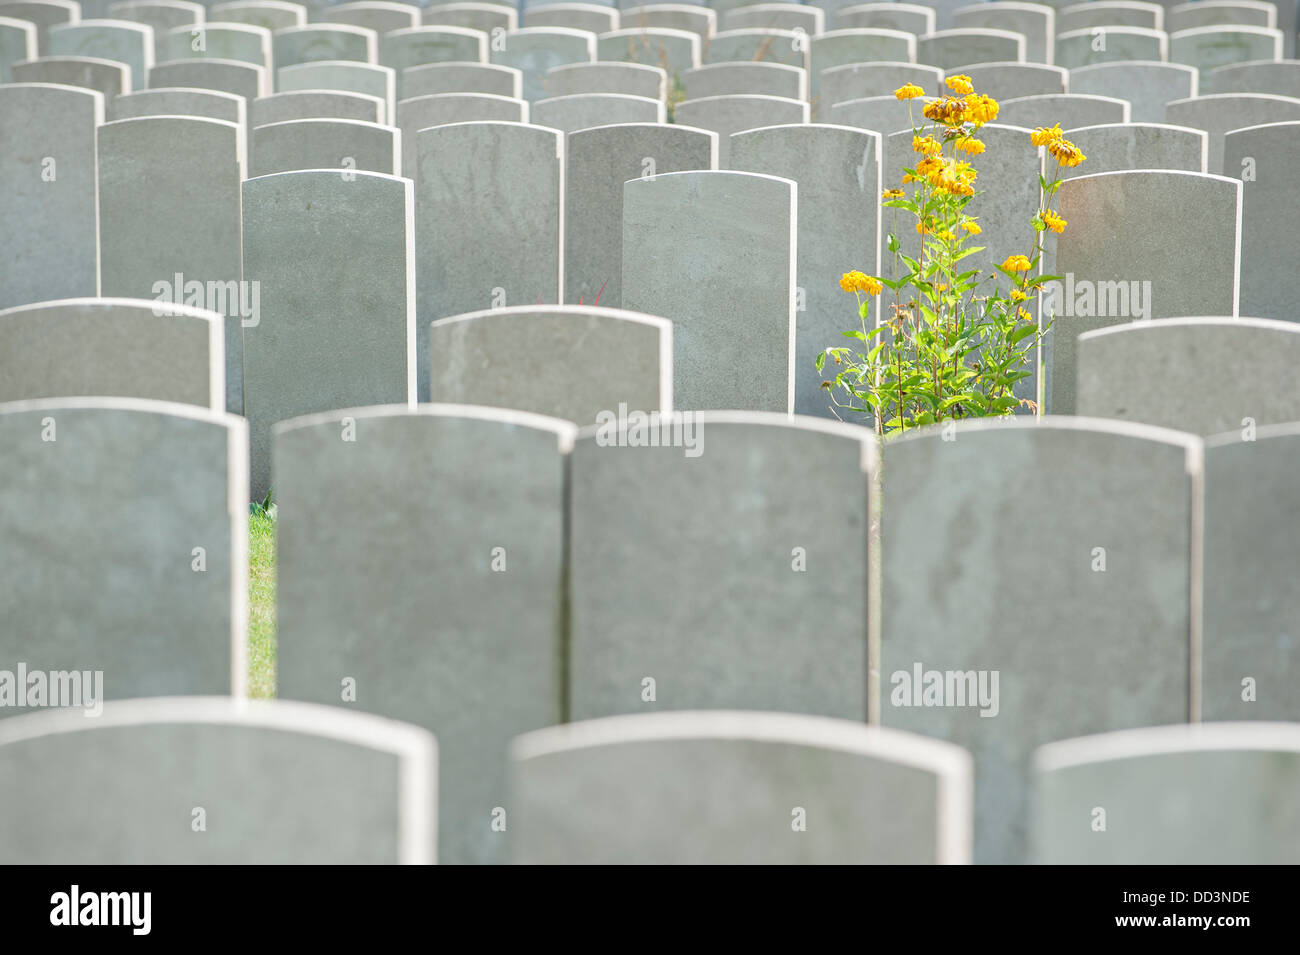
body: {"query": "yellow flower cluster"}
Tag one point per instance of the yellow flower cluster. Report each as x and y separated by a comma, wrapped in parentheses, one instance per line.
(909, 91)
(1053, 221)
(952, 177)
(893, 194)
(971, 228)
(1066, 153)
(927, 145)
(1016, 263)
(1018, 296)
(860, 282)
(968, 145)
(960, 84)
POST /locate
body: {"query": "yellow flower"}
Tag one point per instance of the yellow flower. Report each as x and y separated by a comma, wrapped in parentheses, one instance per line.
(1016, 263)
(947, 236)
(893, 194)
(1018, 296)
(928, 165)
(1025, 315)
(972, 228)
(856, 281)
(969, 145)
(909, 91)
(1044, 135)
(948, 111)
(908, 177)
(1066, 153)
(1053, 221)
(981, 109)
(926, 144)
(960, 84)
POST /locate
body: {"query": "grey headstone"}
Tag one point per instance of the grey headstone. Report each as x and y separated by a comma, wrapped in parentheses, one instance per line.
(1220, 113)
(693, 18)
(44, 14)
(761, 79)
(336, 263)
(118, 40)
(1146, 84)
(718, 788)
(597, 163)
(17, 44)
(1270, 283)
(160, 15)
(1208, 47)
(592, 17)
(1280, 77)
(1071, 110)
(139, 572)
(269, 14)
(502, 185)
(179, 101)
(744, 627)
(760, 45)
(912, 18)
(534, 51)
(343, 144)
(314, 104)
(441, 109)
(1036, 22)
(1110, 13)
(463, 78)
(883, 114)
(1005, 81)
(715, 253)
(1205, 13)
(419, 46)
(631, 79)
(279, 782)
(1093, 45)
(109, 78)
(1251, 515)
(51, 241)
(1116, 147)
(776, 16)
(347, 76)
(1117, 242)
(1173, 795)
(382, 17)
(126, 348)
(217, 41)
(475, 496)
(474, 16)
(324, 41)
(228, 76)
(577, 361)
(838, 172)
(842, 47)
(1075, 650)
(584, 110)
(158, 177)
(676, 51)
(736, 113)
(954, 48)
(839, 84)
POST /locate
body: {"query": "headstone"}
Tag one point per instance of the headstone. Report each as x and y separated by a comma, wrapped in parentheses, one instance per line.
(502, 185)
(126, 348)
(269, 14)
(592, 17)
(838, 172)
(279, 782)
(1206, 13)
(1167, 373)
(343, 144)
(179, 101)
(1250, 668)
(1208, 47)
(346, 76)
(597, 163)
(674, 51)
(954, 48)
(316, 104)
(913, 18)
(336, 263)
(839, 84)
(1005, 81)
(1070, 110)
(883, 114)
(118, 40)
(463, 78)
(578, 360)
(155, 606)
(1110, 13)
(1231, 784)
(1147, 85)
(842, 47)
(1260, 157)
(47, 192)
(159, 176)
(1101, 512)
(700, 20)
(747, 626)
(627, 790)
(733, 114)
(218, 41)
(1036, 22)
(485, 17)
(160, 15)
(761, 79)
(1117, 147)
(441, 109)
(17, 44)
(1118, 265)
(715, 253)
(476, 497)
(631, 79)
(382, 17)
(1280, 77)
(325, 41)
(584, 110)
(1220, 113)
(534, 51)
(760, 45)
(109, 78)
(437, 44)
(776, 16)
(44, 14)
(1093, 45)
(227, 76)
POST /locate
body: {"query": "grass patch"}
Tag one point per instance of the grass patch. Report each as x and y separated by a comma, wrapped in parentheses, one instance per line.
(261, 606)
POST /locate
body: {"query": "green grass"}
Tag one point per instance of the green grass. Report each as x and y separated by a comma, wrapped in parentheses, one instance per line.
(261, 606)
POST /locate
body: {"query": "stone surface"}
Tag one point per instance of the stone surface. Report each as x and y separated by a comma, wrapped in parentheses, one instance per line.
(51, 243)
(592, 17)
(336, 263)
(160, 16)
(119, 40)
(315, 104)
(17, 44)
(838, 172)
(1208, 47)
(1261, 156)
(346, 76)
(109, 78)
(1117, 242)
(419, 46)
(342, 144)
(440, 109)
(229, 76)
(725, 115)
(912, 18)
(597, 163)
(584, 110)
(1115, 147)
(569, 362)
(501, 183)
(715, 253)
(475, 496)
(325, 41)
(690, 17)
(43, 14)
(632, 79)
(179, 101)
(534, 51)
(882, 114)
(840, 84)
(268, 14)
(1076, 650)
(1186, 16)
(1110, 13)
(1071, 110)
(746, 625)
(434, 78)
(276, 782)
(1220, 113)
(762, 79)
(222, 41)
(954, 48)
(1280, 77)
(113, 347)
(842, 47)
(1147, 85)
(157, 605)
(382, 17)
(761, 45)
(1232, 785)
(474, 16)
(727, 787)
(1036, 22)
(1004, 81)
(779, 16)
(1110, 44)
